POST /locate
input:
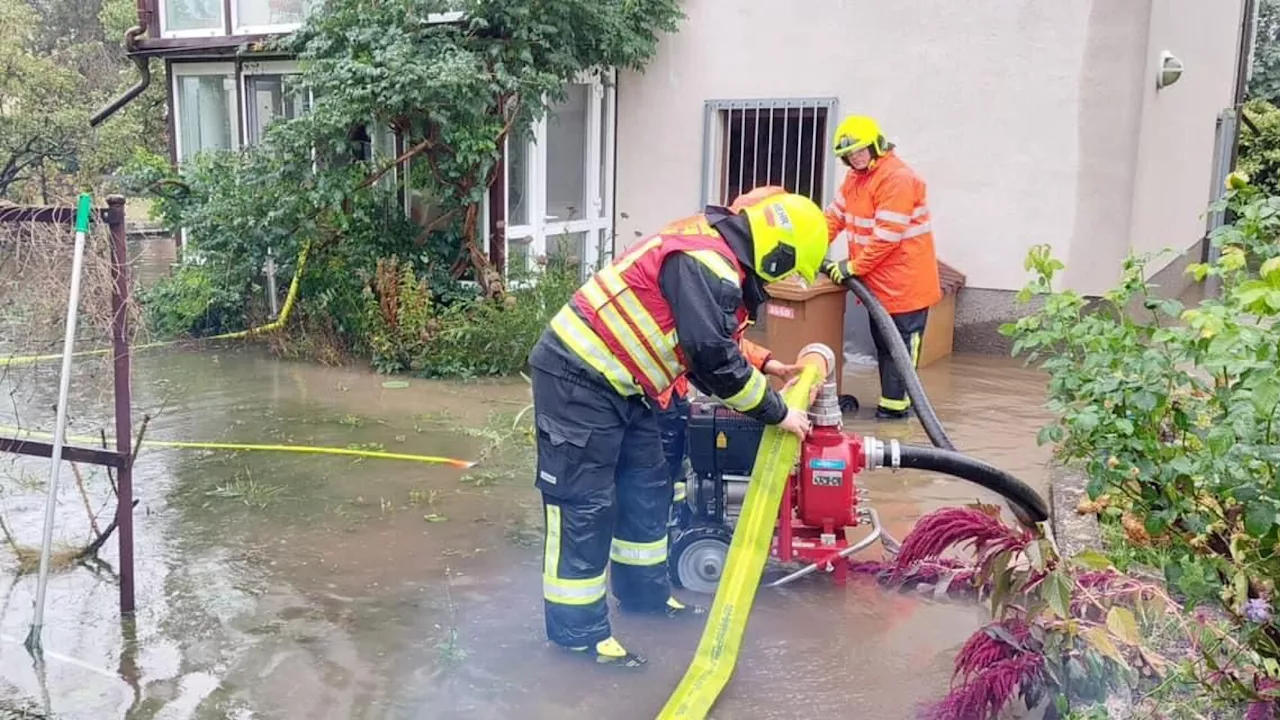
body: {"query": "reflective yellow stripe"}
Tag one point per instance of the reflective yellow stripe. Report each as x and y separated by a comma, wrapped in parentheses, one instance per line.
(627, 552)
(613, 320)
(750, 395)
(584, 343)
(662, 343)
(630, 258)
(717, 264)
(895, 405)
(608, 286)
(560, 590)
(680, 493)
(914, 347)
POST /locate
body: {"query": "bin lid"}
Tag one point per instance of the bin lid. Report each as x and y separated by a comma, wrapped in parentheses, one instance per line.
(795, 288)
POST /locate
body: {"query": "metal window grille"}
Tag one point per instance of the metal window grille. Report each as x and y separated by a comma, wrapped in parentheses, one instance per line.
(749, 143)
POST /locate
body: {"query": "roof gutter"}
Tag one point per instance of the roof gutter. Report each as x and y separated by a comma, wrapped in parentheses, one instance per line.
(144, 79)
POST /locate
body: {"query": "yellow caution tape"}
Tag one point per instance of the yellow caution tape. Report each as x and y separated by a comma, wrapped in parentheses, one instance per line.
(749, 550)
(290, 299)
(304, 449)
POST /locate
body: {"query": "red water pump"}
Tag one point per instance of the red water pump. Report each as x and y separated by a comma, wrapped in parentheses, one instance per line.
(821, 505)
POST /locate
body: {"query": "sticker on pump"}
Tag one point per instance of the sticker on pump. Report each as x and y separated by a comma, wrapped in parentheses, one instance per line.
(826, 464)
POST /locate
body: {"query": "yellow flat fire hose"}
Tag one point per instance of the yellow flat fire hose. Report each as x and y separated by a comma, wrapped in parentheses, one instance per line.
(18, 433)
(717, 652)
(290, 299)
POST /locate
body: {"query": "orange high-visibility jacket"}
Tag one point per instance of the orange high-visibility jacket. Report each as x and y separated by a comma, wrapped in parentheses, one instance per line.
(886, 214)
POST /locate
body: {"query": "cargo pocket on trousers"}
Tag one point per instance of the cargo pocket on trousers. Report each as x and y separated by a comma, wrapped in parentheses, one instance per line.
(565, 468)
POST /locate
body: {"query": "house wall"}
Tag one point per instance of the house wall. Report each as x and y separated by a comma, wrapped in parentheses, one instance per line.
(1024, 118)
(1176, 141)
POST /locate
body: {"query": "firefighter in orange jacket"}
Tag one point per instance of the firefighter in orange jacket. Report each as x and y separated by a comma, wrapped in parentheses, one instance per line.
(673, 405)
(883, 207)
(674, 303)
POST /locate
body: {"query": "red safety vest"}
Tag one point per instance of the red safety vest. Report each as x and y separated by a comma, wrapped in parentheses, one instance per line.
(629, 331)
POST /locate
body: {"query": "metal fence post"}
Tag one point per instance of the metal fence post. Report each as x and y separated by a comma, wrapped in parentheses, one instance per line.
(123, 395)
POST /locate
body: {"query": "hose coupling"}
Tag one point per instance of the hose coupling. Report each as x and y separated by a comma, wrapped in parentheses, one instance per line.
(878, 454)
(826, 353)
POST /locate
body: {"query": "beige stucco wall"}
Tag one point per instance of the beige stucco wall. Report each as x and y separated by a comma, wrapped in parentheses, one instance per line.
(1176, 142)
(1023, 116)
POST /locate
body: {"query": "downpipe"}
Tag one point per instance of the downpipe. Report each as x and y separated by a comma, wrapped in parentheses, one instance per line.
(144, 79)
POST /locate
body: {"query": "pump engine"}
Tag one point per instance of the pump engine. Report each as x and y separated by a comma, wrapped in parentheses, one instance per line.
(820, 506)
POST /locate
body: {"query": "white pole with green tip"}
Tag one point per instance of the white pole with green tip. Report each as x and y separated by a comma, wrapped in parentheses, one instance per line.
(64, 388)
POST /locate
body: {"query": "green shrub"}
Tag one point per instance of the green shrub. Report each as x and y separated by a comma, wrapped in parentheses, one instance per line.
(408, 330)
(1174, 413)
(1259, 154)
(190, 303)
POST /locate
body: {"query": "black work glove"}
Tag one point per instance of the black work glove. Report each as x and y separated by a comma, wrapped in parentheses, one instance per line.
(838, 271)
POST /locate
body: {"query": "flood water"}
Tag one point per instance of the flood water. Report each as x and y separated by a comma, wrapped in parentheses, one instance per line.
(296, 586)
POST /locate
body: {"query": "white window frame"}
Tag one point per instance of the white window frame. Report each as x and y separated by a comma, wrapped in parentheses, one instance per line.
(600, 198)
(266, 67)
(165, 32)
(713, 145)
(224, 70)
(278, 29)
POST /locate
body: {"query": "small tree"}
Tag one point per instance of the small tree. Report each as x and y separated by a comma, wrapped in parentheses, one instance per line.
(453, 91)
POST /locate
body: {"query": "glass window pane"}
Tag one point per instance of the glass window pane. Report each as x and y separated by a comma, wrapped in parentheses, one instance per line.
(205, 111)
(266, 13)
(269, 98)
(182, 15)
(568, 248)
(518, 181)
(518, 257)
(567, 156)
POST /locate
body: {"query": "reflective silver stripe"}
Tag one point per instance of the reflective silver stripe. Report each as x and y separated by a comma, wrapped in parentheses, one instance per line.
(917, 230)
(750, 395)
(864, 222)
(886, 234)
(920, 212)
(628, 552)
(891, 216)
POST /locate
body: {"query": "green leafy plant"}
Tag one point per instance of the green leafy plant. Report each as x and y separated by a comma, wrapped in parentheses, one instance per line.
(1172, 414)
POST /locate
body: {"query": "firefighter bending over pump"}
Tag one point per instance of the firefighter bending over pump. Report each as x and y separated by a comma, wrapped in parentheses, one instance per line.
(674, 303)
(673, 405)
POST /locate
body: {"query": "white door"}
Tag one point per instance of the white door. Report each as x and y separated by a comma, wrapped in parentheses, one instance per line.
(560, 181)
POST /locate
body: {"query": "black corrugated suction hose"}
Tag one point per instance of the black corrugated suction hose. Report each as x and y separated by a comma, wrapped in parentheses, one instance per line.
(902, 359)
(1027, 504)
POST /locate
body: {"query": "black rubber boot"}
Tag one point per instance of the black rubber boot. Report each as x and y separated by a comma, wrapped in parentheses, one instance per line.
(882, 414)
(673, 609)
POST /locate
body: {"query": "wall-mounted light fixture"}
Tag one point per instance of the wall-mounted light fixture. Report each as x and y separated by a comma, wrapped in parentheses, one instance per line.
(1170, 70)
